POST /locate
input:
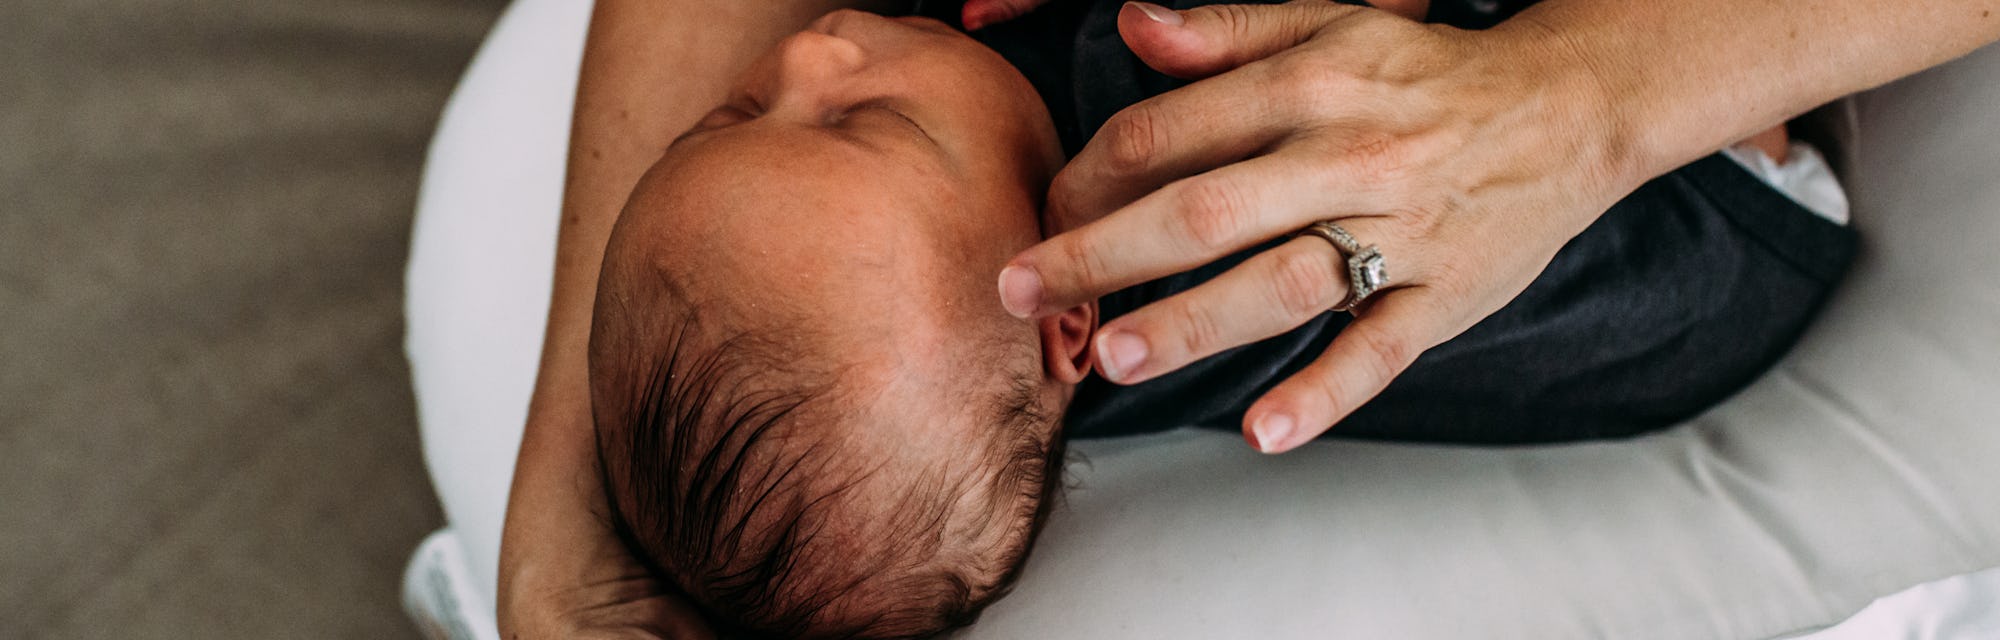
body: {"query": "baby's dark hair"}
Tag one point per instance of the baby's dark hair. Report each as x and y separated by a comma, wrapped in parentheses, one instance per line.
(725, 482)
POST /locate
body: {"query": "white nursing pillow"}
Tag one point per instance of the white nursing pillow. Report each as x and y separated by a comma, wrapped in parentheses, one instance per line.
(1861, 465)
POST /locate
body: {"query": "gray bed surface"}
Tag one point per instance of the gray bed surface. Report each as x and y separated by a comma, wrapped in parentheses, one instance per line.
(206, 428)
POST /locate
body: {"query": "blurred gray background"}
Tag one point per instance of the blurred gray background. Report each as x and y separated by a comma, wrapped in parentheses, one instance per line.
(206, 428)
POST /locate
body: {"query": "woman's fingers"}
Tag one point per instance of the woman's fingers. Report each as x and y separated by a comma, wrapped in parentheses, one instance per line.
(1382, 341)
(1272, 292)
(1184, 225)
(1162, 139)
(979, 14)
(1208, 40)
(1203, 125)
(1182, 133)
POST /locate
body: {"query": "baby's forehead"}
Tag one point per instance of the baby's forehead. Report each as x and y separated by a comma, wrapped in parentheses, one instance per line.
(732, 193)
(861, 147)
(800, 244)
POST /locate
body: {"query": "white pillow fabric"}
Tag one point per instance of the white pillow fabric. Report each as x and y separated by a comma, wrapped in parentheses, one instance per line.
(482, 260)
(1954, 608)
(1862, 465)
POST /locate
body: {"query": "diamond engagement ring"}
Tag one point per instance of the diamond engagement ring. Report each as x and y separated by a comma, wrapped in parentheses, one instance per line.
(1366, 270)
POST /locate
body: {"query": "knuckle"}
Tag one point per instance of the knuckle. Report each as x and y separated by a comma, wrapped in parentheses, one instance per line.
(1136, 138)
(1303, 284)
(1422, 221)
(1086, 264)
(1066, 205)
(1309, 82)
(1303, 19)
(1063, 189)
(1402, 234)
(1214, 213)
(1383, 355)
(1197, 326)
(1446, 276)
(1236, 21)
(1323, 398)
(1377, 158)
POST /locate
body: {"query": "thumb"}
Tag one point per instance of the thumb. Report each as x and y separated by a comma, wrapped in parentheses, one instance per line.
(1208, 40)
(979, 14)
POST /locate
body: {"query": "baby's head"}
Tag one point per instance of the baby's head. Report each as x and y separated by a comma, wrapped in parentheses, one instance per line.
(814, 416)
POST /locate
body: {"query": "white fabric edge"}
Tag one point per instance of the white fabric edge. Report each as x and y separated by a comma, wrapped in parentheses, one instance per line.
(441, 596)
(1961, 607)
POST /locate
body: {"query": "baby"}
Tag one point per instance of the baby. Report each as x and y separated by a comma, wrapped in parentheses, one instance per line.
(814, 417)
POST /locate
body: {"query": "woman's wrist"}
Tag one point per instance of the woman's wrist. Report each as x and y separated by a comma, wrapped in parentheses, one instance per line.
(1679, 80)
(1595, 102)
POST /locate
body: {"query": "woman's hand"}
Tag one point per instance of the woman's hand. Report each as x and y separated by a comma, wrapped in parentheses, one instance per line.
(978, 14)
(1467, 158)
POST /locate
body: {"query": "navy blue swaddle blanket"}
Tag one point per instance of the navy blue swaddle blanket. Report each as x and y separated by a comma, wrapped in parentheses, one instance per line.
(1679, 296)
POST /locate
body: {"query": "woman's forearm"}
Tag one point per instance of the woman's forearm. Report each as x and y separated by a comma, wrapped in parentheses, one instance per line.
(651, 68)
(1684, 78)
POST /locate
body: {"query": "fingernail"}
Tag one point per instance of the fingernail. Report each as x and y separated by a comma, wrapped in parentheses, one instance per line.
(975, 20)
(1020, 291)
(1119, 353)
(1158, 13)
(1271, 431)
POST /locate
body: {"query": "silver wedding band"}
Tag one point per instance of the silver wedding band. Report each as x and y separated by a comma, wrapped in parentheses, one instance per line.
(1367, 271)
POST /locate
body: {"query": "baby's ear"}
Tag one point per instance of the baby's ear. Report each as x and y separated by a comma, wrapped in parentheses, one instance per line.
(1066, 352)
